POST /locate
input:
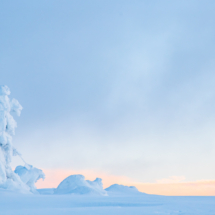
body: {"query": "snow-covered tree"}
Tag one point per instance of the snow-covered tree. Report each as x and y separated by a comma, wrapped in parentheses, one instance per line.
(8, 178)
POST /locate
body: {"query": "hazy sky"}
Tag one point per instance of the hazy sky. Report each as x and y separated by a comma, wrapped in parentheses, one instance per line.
(125, 87)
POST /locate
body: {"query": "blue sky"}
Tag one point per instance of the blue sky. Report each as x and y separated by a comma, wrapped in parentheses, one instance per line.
(124, 87)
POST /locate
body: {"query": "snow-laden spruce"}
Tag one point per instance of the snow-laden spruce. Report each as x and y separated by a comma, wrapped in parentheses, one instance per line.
(8, 178)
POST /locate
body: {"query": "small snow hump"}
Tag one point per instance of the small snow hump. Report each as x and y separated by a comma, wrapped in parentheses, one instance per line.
(117, 189)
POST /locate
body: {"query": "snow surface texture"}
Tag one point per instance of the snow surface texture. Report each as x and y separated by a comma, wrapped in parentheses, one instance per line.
(19, 204)
(8, 179)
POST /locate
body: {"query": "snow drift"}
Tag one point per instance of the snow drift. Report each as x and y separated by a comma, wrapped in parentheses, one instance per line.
(78, 185)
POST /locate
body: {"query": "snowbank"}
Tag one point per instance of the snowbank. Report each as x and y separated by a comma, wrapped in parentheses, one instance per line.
(15, 184)
(78, 185)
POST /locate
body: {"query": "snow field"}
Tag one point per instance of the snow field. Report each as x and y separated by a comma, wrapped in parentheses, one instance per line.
(31, 204)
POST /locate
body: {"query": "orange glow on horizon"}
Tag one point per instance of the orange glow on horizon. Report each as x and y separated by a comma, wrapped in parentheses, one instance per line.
(196, 188)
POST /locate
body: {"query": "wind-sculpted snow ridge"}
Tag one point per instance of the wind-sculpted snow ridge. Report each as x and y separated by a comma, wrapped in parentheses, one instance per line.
(77, 184)
(8, 178)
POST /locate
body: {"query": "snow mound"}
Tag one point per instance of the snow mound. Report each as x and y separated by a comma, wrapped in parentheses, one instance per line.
(122, 190)
(77, 184)
(29, 175)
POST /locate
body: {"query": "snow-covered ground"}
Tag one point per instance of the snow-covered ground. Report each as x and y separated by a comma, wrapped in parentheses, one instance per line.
(31, 204)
